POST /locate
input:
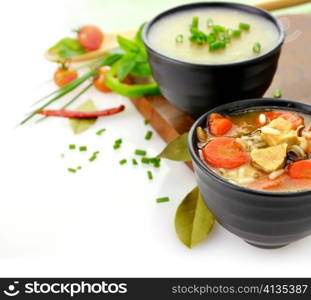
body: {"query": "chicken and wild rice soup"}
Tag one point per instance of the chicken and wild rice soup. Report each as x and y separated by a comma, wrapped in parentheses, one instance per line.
(266, 150)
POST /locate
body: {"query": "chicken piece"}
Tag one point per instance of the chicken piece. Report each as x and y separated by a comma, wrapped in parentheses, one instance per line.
(279, 131)
(245, 174)
(269, 159)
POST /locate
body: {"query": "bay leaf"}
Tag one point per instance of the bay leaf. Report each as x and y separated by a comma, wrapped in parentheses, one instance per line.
(80, 125)
(193, 220)
(177, 149)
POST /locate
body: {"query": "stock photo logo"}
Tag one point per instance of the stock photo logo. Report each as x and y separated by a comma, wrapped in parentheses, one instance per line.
(64, 288)
(12, 290)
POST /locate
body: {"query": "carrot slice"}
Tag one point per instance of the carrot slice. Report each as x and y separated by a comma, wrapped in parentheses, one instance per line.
(219, 125)
(225, 153)
(300, 169)
(293, 118)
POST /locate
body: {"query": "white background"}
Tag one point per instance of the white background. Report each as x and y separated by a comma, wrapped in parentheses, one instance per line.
(102, 221)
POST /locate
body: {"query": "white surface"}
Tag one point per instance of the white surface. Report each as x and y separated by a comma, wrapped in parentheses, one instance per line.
(102, 221)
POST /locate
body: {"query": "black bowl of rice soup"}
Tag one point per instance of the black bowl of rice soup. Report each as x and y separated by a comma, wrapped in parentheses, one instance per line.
(252, 161)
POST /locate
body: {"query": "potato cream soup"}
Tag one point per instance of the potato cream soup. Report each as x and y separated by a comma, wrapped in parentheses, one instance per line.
(213, 35)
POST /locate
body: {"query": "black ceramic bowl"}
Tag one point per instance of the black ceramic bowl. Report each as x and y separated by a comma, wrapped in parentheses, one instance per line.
(195, 88)
(263, 219)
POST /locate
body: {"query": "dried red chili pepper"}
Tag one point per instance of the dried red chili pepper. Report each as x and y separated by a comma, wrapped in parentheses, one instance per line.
(70, 114)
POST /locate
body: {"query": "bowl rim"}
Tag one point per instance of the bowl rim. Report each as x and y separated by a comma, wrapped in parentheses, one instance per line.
(233, 5)
(249, 104)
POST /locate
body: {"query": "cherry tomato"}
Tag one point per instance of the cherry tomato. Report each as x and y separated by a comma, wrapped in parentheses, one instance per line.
(90, 37)
(63, 76)
(99, 81)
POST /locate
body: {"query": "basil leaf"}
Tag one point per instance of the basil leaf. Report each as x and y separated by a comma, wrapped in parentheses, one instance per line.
(125, 67)
(67, 48)
(177, 149)
(142, 70)
(80, 125)
(138, 37)
(141, 56)
(127, 45)
(193, 220)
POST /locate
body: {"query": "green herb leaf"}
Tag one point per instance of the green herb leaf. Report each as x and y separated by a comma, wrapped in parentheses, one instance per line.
(179, 38)
(218, 28)
(236, 33)
(67, 48)
(193, 220)
(217, 45)
(80, 125)
(127, 45)
(125, 67)
(257, 48)
(244, 26)
(142, 70)
(177, 149)
(138, 37)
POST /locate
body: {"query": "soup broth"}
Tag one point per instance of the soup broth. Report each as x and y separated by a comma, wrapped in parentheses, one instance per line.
(261, 150)
(170, 36)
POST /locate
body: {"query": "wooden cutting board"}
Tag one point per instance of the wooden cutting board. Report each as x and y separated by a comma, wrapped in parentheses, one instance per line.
(293, 77)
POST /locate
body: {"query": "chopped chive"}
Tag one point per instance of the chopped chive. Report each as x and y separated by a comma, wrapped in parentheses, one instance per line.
(163, 199)
(156, 165)
(100, 132)
(122, 162)
(222, 37)
(257, 48)
(146, 122)
(83, 148)
(134, 162)
(117, 144)
(145, 160)
(211, 38)
(195, 22)
(217, 45)
(209, 22)
(277, 93)
(72, 146)
(244, 26)
(218, 28)
(236, 33)
(149, 174)
(94, 156)
(179, 38)
(71, 170)
(79, 167)
(155, 161)
(140, 152)
(148, 135)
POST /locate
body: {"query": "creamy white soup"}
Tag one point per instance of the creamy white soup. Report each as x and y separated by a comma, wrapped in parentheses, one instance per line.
(241, 36)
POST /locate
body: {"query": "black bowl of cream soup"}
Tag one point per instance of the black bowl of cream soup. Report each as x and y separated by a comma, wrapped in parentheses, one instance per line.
(206, 54)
